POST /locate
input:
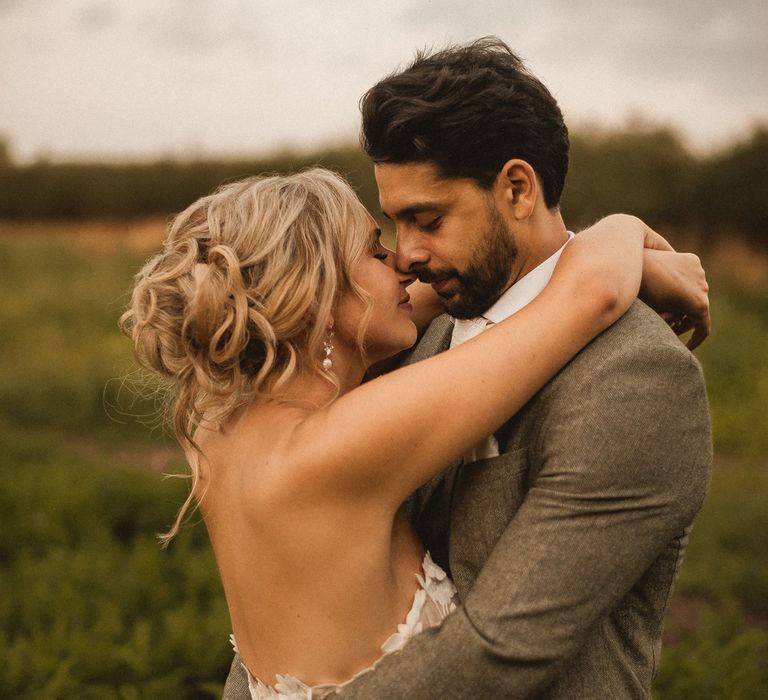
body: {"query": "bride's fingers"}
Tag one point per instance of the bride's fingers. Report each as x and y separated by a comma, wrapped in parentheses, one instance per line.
(682, 324)
(700, 334)
(668, 317)
(701, 325)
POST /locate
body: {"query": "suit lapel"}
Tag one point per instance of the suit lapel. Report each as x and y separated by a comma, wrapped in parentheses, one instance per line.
(470, 504)
(436, 339)
(429, 506)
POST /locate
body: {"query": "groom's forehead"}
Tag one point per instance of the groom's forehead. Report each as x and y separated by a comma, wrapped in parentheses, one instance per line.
(405, 189)
(425, 173)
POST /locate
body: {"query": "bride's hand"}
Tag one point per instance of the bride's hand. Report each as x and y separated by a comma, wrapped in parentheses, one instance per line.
(675, 286)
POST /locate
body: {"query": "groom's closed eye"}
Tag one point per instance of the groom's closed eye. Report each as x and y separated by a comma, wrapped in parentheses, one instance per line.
(430, 224)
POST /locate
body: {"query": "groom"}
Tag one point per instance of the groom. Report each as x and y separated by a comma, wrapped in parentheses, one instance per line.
(564, 530)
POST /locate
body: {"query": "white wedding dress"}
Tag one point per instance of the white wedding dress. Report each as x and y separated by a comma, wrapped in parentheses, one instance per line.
(433, 601)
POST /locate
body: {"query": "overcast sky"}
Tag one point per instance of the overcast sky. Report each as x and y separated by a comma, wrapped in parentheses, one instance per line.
(138, 78)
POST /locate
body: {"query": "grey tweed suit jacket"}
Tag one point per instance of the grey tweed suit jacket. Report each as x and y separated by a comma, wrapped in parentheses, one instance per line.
(563, 548)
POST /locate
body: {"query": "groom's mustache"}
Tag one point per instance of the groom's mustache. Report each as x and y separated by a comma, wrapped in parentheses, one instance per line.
(424, 274)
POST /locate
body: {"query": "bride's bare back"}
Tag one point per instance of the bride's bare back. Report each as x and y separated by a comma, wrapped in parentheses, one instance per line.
(299, 566)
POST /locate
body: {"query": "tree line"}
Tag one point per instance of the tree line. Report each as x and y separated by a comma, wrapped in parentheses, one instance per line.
(644, 170)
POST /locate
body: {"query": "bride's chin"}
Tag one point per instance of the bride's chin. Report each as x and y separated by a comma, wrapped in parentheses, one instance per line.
(400, 338)
(409, 338)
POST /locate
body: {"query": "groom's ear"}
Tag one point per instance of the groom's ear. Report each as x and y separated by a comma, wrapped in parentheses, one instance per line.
(518, 187)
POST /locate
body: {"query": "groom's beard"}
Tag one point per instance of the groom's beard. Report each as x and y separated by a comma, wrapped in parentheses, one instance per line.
(486, 275)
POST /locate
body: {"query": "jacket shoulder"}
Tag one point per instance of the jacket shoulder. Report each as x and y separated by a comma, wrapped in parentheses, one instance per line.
(636, 367)
(640, 338)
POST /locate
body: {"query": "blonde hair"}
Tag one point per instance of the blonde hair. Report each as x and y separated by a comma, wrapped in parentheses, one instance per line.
(239, 300)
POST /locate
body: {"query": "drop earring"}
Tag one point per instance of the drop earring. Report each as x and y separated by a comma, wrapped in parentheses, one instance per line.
(328, 349)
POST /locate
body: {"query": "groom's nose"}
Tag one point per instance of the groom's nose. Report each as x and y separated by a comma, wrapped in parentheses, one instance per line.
(409, 253)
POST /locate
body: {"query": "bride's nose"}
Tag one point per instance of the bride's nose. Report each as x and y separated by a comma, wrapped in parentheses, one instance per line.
(406, 278)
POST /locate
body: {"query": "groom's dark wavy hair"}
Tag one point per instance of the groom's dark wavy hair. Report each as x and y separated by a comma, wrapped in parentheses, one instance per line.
(468, 109)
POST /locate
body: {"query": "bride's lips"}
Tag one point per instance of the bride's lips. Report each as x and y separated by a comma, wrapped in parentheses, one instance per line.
(404, 303)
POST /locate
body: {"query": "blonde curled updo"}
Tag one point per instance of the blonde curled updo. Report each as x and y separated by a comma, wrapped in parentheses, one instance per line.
(239, 300)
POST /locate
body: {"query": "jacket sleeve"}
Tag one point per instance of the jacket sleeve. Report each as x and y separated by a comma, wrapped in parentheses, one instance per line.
(236, 687)
(623, 461)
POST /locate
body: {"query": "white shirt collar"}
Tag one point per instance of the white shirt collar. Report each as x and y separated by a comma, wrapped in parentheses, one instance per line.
(519, 295)
(526, 289)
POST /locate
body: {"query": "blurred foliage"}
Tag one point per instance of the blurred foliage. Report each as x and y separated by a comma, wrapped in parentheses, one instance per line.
(727, 559)
(647, 171)
(90, 605)
(736, 360)
(722, 660)
(60, 356)
(642, 169)
(732, 190)
(45, 190)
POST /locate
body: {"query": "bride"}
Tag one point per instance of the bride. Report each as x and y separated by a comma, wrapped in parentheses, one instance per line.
(269, 302)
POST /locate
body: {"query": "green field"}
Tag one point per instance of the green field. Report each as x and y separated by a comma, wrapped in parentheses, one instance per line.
(92, 607)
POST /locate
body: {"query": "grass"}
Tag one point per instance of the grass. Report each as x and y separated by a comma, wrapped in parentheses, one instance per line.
(91, 606)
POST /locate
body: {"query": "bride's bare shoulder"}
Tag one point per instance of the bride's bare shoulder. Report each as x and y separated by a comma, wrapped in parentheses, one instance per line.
(255, 451)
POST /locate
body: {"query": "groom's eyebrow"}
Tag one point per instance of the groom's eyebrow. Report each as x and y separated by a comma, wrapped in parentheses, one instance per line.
(411, 210)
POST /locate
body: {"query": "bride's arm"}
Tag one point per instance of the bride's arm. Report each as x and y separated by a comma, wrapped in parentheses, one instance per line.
(673, 284)
(392, 434)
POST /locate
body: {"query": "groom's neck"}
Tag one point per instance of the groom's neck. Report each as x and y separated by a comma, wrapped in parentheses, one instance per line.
(541, 238)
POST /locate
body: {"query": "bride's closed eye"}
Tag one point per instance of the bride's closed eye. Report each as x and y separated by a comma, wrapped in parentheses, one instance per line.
(382, 253)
